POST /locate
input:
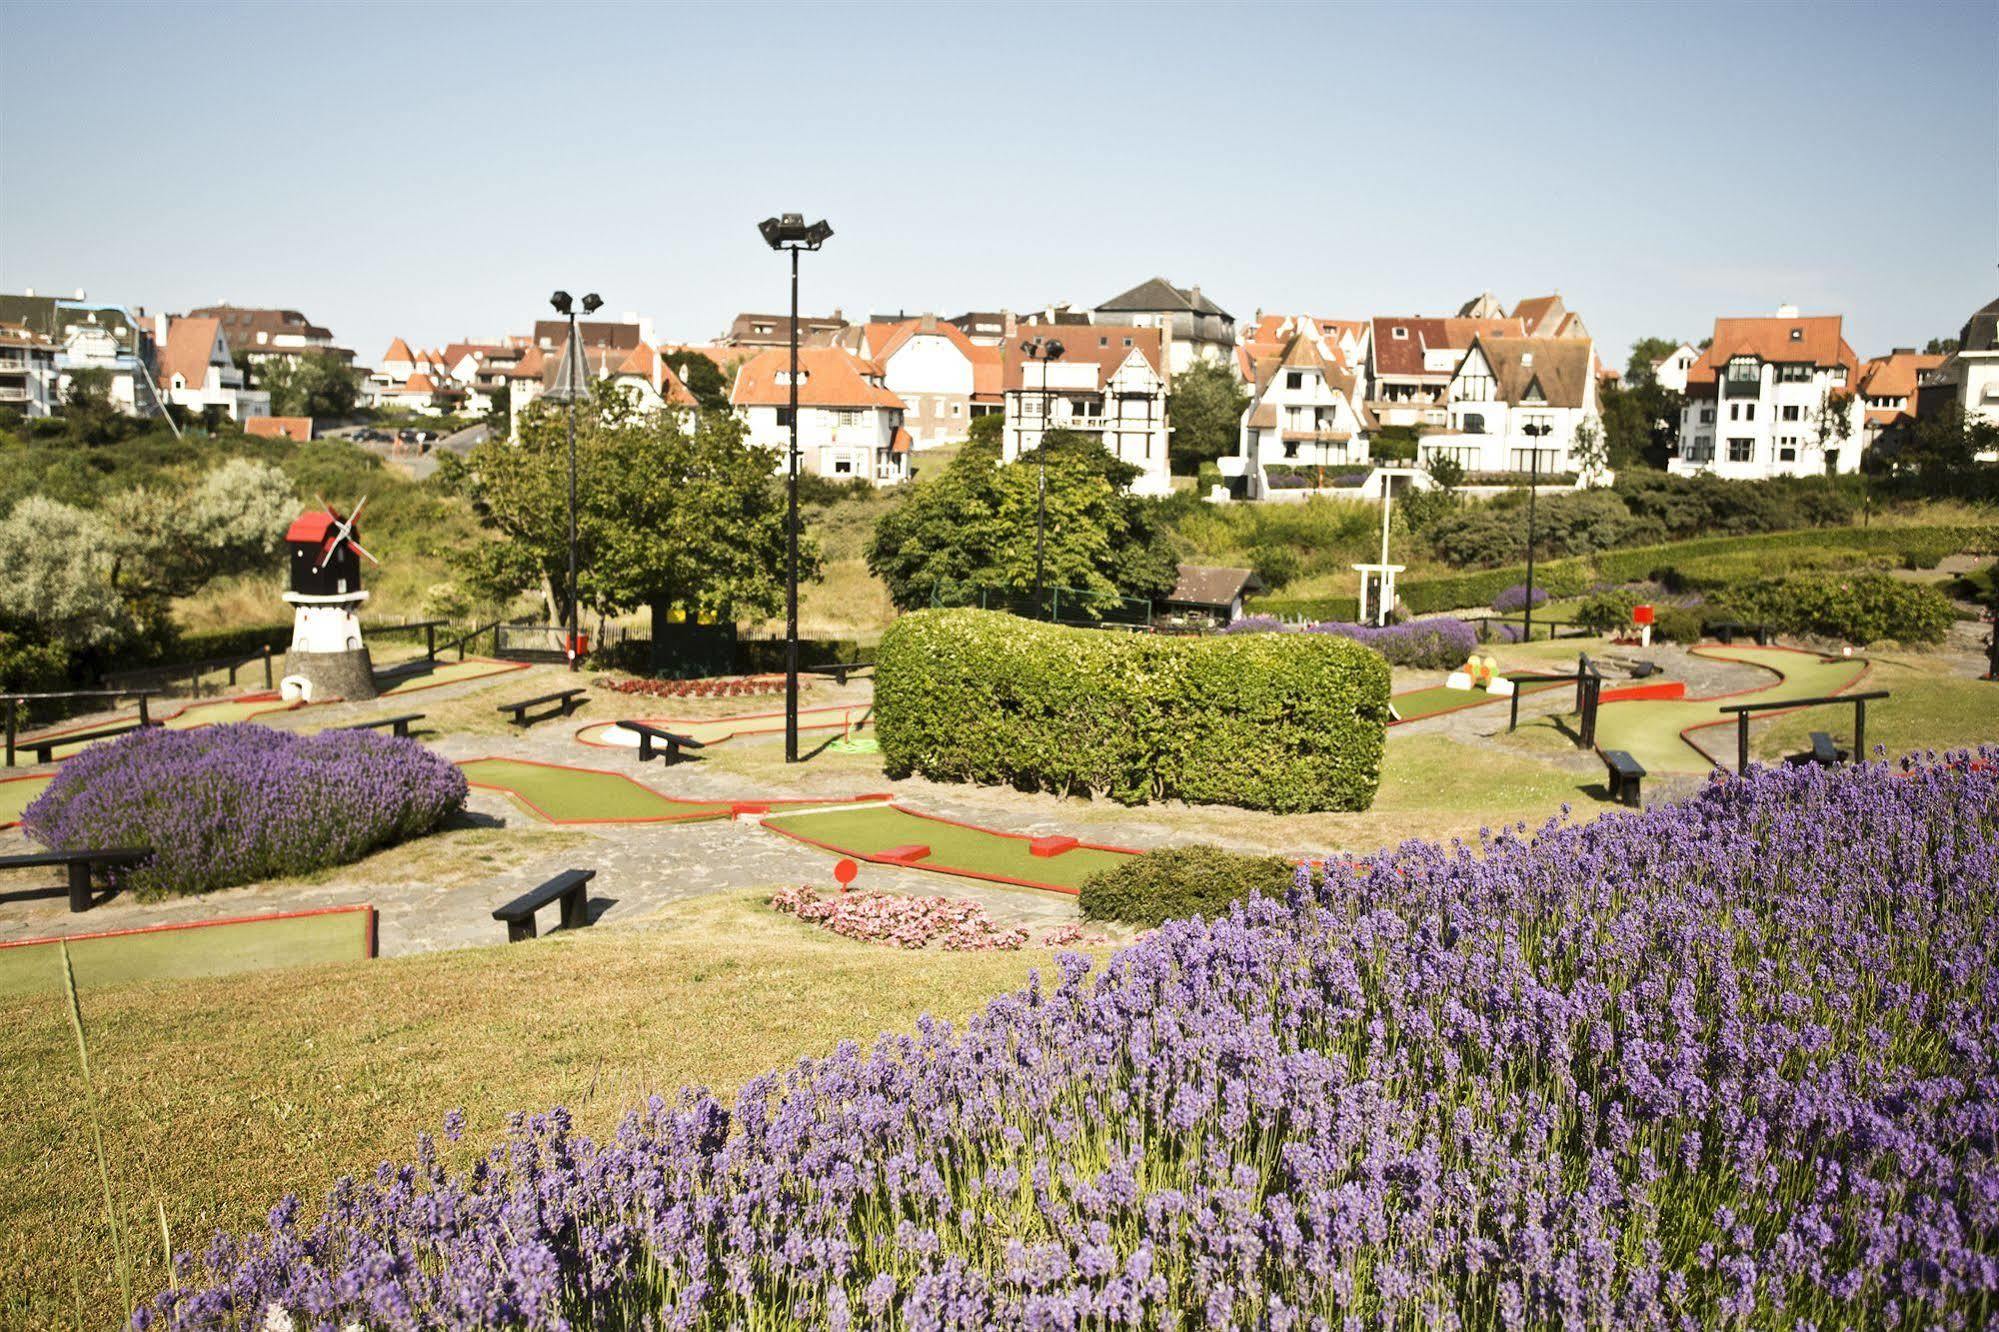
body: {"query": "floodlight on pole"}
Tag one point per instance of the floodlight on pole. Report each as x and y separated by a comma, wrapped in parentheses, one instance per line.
(1536, 431)
(1043, 350)
(572, 375)
(790, 231)
(560, 301)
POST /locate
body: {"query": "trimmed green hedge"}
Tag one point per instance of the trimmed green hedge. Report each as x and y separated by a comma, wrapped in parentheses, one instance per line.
(1346, 610)
(1179, 882)
(1706, 562)
(1284, 722)
(1860, 608)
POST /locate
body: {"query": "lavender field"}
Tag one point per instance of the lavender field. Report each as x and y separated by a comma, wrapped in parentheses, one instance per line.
(1728, 1063)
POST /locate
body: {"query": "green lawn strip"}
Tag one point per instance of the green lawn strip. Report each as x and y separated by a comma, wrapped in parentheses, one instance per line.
(714, 730)
(172, 954)
(16, 795)
(1939, 713)
(1649, 729)
(954, 848)
(583, 795)
(444, 673)
(1420, 703)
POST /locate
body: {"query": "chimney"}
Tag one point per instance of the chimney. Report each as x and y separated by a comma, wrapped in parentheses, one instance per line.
(1007, 323)
(1903, 351)
(27, 291)
(79, 294)
(1787, 312)
(929, 324)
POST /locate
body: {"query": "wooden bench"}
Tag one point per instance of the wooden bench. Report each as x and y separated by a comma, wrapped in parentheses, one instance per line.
(571, 886)
(566, 701)
(841, 670)
(1627, 774)
(79, 864)
(1824, 752)
(651, 738)
(44, 747)
(397, 725)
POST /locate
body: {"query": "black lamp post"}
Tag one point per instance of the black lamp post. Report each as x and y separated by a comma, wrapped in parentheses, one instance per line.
(1043, 350)
(1536, 431)
(574, 371)
(790, 231)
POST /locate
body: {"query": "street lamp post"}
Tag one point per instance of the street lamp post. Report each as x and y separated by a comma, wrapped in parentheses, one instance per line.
(1043, 350)
(1535, 431)
(572, 369)
(789, 231)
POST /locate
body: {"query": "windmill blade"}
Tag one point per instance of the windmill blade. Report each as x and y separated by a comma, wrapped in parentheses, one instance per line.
(345, 532)
(363, 550)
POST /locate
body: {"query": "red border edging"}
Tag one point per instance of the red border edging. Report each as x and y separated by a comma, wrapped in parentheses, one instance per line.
(939, 868)
(368, 926)
(25, 777)
(730, 807)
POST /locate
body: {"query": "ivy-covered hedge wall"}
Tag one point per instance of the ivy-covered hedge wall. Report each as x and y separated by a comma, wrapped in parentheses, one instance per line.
(1285, 722)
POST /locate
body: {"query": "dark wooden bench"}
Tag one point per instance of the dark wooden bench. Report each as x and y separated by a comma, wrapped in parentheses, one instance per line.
(79, 864)
(397, 725)
(652, 739)
(566, 701)
(571, 886)
(841, 670)
(1627, 775)
(44, 747)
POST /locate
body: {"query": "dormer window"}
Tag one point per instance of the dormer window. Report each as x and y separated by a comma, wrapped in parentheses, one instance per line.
(1526, 360)
(1400, 332)
(1797, 335)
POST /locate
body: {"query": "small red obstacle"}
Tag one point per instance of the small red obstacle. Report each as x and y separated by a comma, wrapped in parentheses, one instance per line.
(904, 855)
(1051, 846)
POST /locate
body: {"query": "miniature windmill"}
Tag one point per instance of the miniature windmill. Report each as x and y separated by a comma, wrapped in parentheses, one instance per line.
(327, 657)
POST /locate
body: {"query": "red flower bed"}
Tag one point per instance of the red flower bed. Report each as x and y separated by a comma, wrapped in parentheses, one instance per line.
(746, 686)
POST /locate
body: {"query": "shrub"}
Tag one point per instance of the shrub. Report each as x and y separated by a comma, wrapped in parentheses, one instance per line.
(1307, 608)
(1181, 882)
(1275, 565)
(1861, 608)
(1265, 721)
(224, 805)
(1607, 610)
(1515, 597)
(1676, 624)
(1440, 642)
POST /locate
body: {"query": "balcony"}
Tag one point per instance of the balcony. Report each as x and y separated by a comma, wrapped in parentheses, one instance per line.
(1742, 388)
(1316, 436)
(14, 393)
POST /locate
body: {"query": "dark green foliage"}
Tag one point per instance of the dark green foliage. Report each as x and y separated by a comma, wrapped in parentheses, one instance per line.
(1206, 412)
(1859, 608)
(1284, 722)
(1318, 609)
(1608, 610)
(316, 384)
(986, 431)
(1676, 624)
(1275, 565)
(704, 379)
(1180, 882)
(814, 489)
(973, 525)
(1393, 444)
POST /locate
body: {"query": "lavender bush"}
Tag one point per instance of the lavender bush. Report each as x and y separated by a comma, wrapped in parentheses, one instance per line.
(223, 805)
(1440, 642)
(1515, 598)
(1727, 1063)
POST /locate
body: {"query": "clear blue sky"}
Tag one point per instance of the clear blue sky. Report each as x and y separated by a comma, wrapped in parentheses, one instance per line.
(436, 170)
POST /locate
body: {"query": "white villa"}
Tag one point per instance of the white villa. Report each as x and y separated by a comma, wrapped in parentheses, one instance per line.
(849, 420)
(1304, 416)
(1513, 401)
(1110, 381)
(197, 372)
(943, 378)
(1969, 376)
(1670, 371)
(1773, 396)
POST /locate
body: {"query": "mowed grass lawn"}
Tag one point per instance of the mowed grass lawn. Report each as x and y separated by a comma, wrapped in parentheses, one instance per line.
(1932, 705)
(219, 1096)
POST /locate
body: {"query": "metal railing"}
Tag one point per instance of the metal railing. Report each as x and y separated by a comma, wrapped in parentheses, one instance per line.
(16, 705)
(1859, 702)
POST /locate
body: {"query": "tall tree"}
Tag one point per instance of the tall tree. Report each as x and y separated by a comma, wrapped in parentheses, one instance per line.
(669, 516)
(1206, 411)
(316, 384)
(1645, 353)
(704, 379)
(974, 524)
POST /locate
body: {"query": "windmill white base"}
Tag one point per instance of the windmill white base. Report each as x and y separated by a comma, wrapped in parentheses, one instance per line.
(327, 657)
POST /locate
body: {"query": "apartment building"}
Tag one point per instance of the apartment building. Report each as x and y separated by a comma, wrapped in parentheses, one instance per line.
(1304, 416)
(1110, 382)
(1192, 327)
(850, 423)
(1773, 396)
(28, 375)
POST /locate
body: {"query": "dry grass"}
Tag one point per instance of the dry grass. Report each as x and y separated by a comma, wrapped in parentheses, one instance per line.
(218, 1096)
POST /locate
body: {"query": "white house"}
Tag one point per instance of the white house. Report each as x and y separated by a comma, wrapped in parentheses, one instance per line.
(1969, 377)
(1303, 417)
(941, 375)
(28, 375)
(1193, 327)
(1110, 382)
(1515, 401)
(850, 423)
(1773, 396)
(641, 373)
(1408, 363)
(197, 372)
(1670, 371)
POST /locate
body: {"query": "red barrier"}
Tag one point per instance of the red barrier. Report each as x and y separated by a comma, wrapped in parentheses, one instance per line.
(1664, 689)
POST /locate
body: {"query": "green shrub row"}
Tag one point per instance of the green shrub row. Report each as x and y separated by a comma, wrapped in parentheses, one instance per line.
(1346, 610)
(1704, 562)
(1285, 722)
(1859, 608)
(1180, 882)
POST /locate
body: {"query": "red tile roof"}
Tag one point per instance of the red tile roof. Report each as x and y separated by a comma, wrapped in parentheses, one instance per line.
(1404, 356)
(1894, 375)
(1103, 344)
(398, 351)
(279, 427)
(831, 377)
(1779, 339)
(189, 342)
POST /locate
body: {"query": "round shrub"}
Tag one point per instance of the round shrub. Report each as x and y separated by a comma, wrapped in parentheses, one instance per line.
(224, 805)
(1287, 722)
(1676, 624)
(1181, 882)
(1859, 608)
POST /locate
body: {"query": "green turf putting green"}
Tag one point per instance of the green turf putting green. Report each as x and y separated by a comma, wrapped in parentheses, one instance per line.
(1420, 703)
(714, 730)
(189, 717)
(955, 848)
(169, 952)
(590, 795)
(16, 793)
(1649, 729)
(444, 673)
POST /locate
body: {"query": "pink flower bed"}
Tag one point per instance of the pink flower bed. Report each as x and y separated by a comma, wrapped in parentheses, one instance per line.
(748, 686)
(958, 923)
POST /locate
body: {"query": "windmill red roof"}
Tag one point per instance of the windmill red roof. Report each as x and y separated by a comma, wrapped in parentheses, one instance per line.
(312, 525)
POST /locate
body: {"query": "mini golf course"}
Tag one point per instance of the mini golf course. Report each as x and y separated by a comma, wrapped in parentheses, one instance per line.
(1656, 731)
(1416, 704)
(208, 948)
(715, 730)
(17, 793)
(591, 795)
(443, 673)
(893, 835)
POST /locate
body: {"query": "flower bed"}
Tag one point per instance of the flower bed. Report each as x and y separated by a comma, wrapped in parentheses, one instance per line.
(749, 686)
(873, 916)
(1516, 598)
(225, 805)
(1730, 1062)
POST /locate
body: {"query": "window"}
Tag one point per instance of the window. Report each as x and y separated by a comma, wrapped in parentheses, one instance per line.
(1290, 449)
(1749, 411)
(1400, 332)
(1523, 460)
(783, 415)
(843, 465)
(1797, 335)
(1707, 416)
(1104, 341)
(957, 409)
(1477, 388)
(1787, 455)
(1294, 379)
(1474, 423)
(1744, 370)
(1793, 413)
(1741, 450)
(1701, 450)
(846, 416)
(1794, 374)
